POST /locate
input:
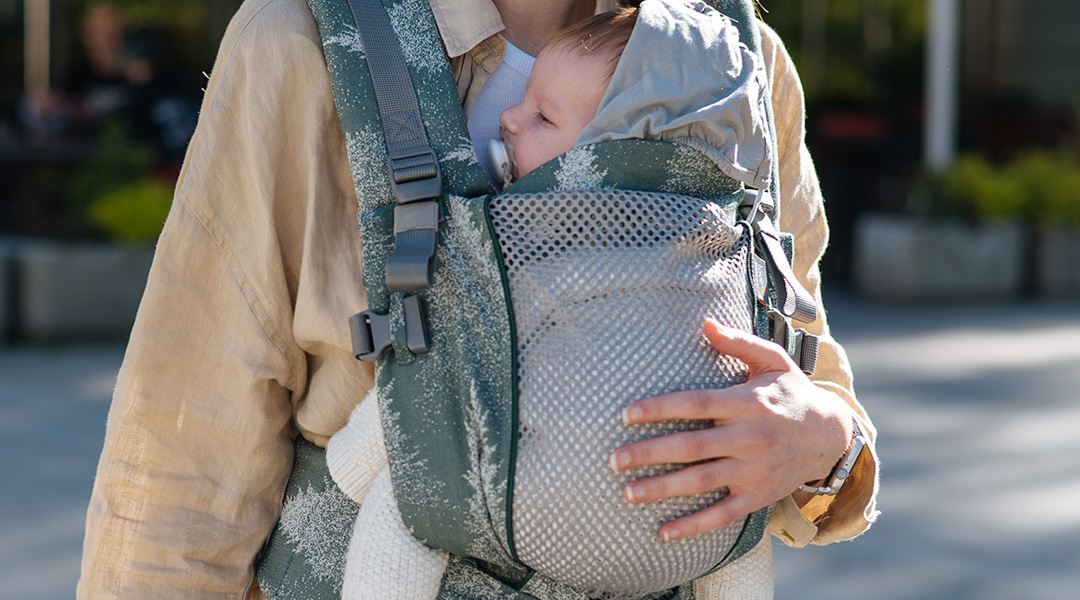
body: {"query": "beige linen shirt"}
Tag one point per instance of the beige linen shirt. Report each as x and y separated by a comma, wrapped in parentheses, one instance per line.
(242, 340)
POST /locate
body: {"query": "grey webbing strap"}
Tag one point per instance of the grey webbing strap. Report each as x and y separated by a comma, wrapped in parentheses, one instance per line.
(805, 346)
(394, 92)
(793, 298)
(413, 165)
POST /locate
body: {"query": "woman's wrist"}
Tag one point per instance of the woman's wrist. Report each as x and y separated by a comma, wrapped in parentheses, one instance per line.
(831, 484)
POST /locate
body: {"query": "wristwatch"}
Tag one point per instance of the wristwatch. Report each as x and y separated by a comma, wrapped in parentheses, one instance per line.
(843, 468)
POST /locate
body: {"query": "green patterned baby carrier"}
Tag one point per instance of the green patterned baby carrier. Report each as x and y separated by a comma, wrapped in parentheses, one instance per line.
(510, 329)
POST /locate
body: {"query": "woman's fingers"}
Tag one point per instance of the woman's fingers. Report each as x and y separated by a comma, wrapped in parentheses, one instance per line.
(721, 514)
(769, 435)
(759, 354)
(689, 404)
(679, 448)
(684, 482)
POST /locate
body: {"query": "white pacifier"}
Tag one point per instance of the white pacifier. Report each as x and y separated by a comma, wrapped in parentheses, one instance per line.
(500, 162)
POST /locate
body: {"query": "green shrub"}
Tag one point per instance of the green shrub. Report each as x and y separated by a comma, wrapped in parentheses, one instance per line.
(1051, 187)
(118, 160)
(989, 193)
(133, 213)
(1041, 187)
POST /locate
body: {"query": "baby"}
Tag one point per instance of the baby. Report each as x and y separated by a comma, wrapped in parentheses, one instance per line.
(579, 92)
(567, 82)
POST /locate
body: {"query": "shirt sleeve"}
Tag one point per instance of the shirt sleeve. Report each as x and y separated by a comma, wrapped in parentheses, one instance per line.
(197, 448)
(824, 519)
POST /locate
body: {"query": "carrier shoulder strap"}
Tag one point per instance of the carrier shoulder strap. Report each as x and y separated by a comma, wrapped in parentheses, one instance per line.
(414, 168)
(415, 181)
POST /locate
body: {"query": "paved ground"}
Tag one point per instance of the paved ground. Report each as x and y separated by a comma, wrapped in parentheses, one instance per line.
(978, 411)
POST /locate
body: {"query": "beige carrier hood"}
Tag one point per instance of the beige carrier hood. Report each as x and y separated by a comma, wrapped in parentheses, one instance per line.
(684, 77)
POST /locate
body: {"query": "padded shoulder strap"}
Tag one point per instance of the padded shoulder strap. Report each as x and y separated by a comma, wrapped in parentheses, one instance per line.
(413, 166)
(424, 63)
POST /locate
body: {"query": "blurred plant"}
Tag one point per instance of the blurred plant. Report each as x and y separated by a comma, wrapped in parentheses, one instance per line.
(1051, 187)
(853, 50)
(114, 190)
(118, 159)
(181, 14)
(133, 213)
(186, 22)
(1040, 187)
(979, 188)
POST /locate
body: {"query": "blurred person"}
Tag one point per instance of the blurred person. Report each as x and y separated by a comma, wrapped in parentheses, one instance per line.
(126, 78)
(161, 110)
(102, 87)
(98, 89)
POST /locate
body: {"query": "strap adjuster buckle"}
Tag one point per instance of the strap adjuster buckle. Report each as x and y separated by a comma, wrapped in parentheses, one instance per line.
(373, 334)
(800, 344)
(415, 174)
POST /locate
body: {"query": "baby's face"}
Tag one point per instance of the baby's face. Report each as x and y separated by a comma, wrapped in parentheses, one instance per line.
(562, 95)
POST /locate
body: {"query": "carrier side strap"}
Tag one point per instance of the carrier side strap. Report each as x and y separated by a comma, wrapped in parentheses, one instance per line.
(414, 167)
(795, 301)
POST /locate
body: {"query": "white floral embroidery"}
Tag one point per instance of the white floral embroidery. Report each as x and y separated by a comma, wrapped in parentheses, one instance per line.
(318, 524)
(348, 39)
(578, 171)
(413, 23)
(367, 161)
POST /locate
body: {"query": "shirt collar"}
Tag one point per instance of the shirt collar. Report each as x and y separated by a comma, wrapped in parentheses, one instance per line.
(465, 23)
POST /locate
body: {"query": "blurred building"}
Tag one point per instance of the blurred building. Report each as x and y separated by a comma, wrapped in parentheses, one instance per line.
(864, 70)
(1021, 74)
(96, 94)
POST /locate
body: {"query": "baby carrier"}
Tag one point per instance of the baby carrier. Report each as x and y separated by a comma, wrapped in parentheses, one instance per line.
(510, 329)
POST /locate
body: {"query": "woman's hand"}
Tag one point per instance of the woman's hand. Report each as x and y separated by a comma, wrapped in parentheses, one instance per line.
(770, 435)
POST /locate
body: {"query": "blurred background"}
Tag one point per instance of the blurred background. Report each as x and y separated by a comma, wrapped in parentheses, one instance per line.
(945, 135)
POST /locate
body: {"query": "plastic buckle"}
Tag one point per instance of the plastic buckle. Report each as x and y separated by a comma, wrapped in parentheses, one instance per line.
(780, 329)
(373, 334)
(415, 174)
(755, 203)
(411, 266)
(800, 344)
(370, 335)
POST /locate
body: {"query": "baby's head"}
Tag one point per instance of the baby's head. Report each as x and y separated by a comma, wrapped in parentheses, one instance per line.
(568, 79)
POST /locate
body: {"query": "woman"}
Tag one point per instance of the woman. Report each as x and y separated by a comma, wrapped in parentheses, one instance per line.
(241, 342)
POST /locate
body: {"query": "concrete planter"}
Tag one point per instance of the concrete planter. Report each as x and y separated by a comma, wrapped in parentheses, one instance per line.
(908, 259)
(1057, 262)
(70, 291)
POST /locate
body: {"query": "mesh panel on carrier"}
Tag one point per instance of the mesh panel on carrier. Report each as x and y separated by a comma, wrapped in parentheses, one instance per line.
(610, 290)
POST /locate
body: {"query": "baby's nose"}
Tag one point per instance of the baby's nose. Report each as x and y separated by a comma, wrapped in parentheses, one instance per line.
(508, 119)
